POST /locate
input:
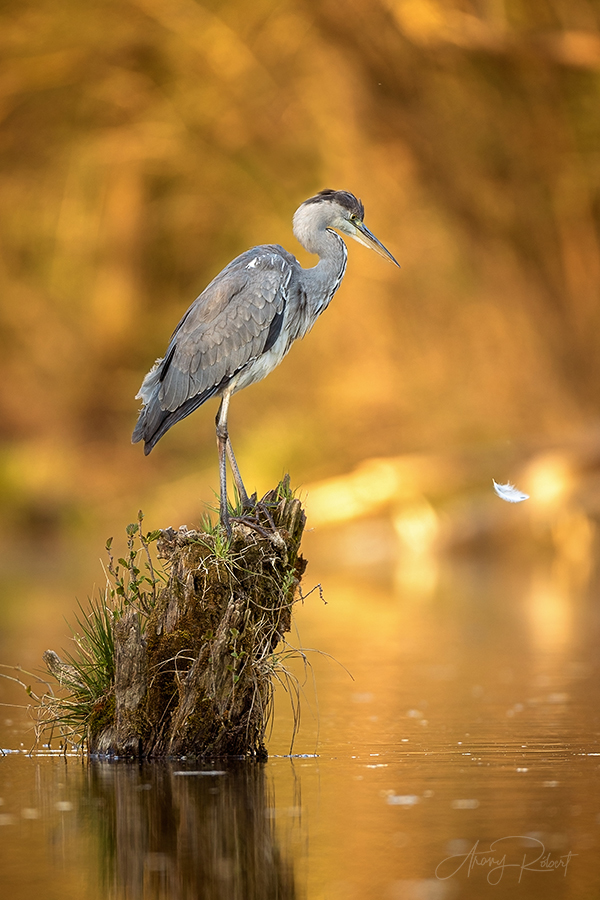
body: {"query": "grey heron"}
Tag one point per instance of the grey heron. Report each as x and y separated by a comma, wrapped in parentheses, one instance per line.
(243, 324)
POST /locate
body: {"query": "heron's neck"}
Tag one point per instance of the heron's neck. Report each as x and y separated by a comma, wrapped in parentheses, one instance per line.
(322, 281)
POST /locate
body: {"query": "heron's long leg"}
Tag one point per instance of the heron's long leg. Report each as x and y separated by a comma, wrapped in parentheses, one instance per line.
(222, 442)
(237, 477)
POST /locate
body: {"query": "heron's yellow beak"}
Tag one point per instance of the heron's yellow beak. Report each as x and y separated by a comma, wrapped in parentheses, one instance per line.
(361, 233)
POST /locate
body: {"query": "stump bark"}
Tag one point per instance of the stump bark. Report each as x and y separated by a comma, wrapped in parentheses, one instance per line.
(196, 678)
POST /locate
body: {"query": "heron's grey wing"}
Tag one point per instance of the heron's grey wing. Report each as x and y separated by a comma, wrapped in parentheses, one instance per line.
(231, 323)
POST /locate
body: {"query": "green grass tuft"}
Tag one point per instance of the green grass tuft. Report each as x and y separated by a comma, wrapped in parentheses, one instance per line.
(84, 701)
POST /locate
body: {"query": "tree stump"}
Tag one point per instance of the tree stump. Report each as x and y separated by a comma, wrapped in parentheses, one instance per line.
(196, 679)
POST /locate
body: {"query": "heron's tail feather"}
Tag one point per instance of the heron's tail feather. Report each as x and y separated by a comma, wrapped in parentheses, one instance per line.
(151, 414)
(154, 420)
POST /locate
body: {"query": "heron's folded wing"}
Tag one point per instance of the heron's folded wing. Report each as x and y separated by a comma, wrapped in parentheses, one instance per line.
(227, 326)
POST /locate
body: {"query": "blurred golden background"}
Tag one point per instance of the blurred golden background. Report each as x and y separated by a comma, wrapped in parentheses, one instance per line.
(145, 143)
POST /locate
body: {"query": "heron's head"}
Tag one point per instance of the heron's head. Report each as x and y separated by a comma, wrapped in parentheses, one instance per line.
(340, 210)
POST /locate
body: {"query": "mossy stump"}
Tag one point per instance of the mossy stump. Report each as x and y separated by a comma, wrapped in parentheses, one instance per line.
(198, 681)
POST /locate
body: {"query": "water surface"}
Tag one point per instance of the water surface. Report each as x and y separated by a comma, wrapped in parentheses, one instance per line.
(459, 758)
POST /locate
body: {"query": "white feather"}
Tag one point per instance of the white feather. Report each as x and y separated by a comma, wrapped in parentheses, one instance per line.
(509, 492)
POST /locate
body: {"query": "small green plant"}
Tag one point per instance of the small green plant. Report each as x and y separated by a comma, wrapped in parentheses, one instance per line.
(284, 490)
(129, 582)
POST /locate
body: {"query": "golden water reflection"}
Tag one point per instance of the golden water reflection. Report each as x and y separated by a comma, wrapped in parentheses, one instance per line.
(460, 713)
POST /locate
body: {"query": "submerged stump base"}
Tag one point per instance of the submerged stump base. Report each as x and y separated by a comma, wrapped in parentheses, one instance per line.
(198, 679)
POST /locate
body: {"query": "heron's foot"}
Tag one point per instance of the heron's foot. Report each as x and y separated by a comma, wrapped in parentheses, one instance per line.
(249, 522)
(250, 502)
(257, 515)
(247, 505)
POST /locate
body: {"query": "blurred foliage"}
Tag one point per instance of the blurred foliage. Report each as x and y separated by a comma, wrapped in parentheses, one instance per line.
(498, 102)
(144, 143)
